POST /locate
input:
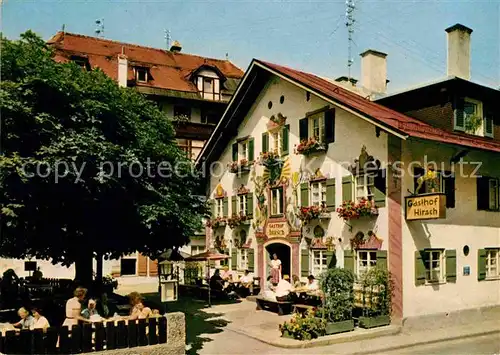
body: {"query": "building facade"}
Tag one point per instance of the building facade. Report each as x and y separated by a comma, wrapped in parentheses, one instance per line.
(302, 158)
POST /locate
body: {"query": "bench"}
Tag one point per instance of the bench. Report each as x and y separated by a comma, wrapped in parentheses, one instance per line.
(283, 307)
(301, 308)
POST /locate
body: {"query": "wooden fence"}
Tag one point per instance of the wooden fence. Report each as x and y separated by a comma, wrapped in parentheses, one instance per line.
(86, 338)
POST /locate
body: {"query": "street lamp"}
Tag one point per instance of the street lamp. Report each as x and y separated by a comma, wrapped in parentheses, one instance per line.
(169, 282)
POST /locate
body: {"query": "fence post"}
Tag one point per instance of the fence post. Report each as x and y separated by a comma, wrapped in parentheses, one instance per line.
(132, 333)
(38, 345)
(153, 337)
(110, 336)
(141, 332)
(26, 342)
(51, 340)
(87, 337)
(100, 335)
(76, 339)
(162, 330)
(64, 340)
(121, 339)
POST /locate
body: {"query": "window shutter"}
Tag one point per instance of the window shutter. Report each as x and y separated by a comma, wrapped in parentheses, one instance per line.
(226, 207)
(418, 172)
(235, 151)
(331, 259)
(304, 194)
(304, 263)
(330, 195)
(234, 259)
(449, 188)
(483, 193)
(284, 140)
(249, 211)
(265, 142)
(212, 207)
(481, 264)
(303, 125)
(251, 261)
(459, 114)
(251, 150)
(451, 265)
(379, 188)
(347, 183)
(349, 260)
(330, 126)
(419, 268)
(234, 201)
(382, 259)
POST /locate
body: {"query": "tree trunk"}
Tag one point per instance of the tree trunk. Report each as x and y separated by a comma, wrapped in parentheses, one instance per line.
(84, 269)
(98, 271)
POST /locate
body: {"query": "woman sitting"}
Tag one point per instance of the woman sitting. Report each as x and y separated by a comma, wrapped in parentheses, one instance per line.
(26, 321)
(91, 310)
(39, 321)
(138, 310)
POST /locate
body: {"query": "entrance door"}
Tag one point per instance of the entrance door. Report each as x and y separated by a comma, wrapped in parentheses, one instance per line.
(283, 253)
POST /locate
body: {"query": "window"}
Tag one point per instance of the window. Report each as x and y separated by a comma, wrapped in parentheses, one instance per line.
(444, 183)
(277, 142)
(317, 126)
(182, 112)
(128, 266)
(242, 259)
(434, 267)
(219, 207)
(209, 87)
(197, 249)
(242, 204)
(364, 187)
(191, 147)
(318, 193)
(471, 119)
(141, 74)
(319, 262)
(492, 262)
(277, 201)
(209, 117)
(366, 260)
(488, 193)
(244, 150)
(81, 62)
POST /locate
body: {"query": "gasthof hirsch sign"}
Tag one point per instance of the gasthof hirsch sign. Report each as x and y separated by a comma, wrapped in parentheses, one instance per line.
(277, 229)
(428, 206)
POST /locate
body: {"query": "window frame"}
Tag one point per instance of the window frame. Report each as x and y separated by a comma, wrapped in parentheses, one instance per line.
(242, 257)
(367, 194)
(479, 112)
(181, 110)
(321, 125)
(494, 194)
(243, 150)
(322, 266)
(488, 265)
(242, 199)
(360, 270)
(277, 138)
(213, 94)
(429, 269)
(279, 198)
(219, 207)
(321, 192)
(137, 70)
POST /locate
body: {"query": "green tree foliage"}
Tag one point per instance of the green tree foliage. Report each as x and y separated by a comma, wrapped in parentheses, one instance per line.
(58, 115)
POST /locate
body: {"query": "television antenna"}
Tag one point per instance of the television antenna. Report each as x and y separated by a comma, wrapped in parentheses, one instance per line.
(349, 22)
(99, 30)
(167, 39)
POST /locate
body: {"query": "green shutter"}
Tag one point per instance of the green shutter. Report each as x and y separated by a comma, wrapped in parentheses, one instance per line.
(234, 201)
(284, 140)
(304, 194)
(481, 264)
(459, 114)
(226, 207)
(251, 156)
(212, 207)
(330, 126)
(331, 259)
(379, 190)
(234, 259)
(449, 189)
(303, 127)
(251, 260)
(419, 268)
(235, 151)
(382, 259)
(347, 186)
(451, 265)
(265, 142)
(349, 260)
(330, 194)
(304, 263)
(249, 211)
(483, 193)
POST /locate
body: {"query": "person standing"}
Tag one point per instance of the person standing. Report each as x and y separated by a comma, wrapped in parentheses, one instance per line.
(74, 308)
(275, 269)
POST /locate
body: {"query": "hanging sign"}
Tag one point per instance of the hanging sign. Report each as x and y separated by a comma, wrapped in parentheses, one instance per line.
(427, 206)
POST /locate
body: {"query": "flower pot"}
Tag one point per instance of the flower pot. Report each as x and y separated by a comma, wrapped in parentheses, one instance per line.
(286, 334)
(339, 327)
(372, 322)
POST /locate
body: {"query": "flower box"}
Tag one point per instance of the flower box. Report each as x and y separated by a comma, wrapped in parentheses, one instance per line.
(310, 146)
(325, 215)
(372, 322)
(355, 210)
(339, 327)
(241, 166)
(307, 214)
(270, 159)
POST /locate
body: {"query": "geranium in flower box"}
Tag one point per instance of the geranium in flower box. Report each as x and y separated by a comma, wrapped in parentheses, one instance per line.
(307, 214)
(243, 165)
(309, 146)
(216, 223)
(354, 210)
(269, 159)
(236, 219)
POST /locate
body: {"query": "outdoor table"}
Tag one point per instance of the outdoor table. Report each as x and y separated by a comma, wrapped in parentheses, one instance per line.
(5, 327)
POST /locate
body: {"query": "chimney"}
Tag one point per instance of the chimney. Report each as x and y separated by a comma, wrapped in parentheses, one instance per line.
(176, 47)
(122, 70)
(458, 63)
(374, 71)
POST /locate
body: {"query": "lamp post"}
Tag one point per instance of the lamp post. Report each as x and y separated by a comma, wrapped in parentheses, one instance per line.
(169, 283)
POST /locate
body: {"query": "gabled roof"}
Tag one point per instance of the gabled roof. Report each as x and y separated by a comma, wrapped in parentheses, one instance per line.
(387, 119)
(169, 70)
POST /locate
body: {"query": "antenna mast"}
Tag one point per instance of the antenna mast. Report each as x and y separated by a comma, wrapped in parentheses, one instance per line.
(167, 39)
(349, 22)
(99, 30)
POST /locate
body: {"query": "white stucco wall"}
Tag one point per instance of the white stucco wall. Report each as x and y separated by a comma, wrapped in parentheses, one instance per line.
(463, 225)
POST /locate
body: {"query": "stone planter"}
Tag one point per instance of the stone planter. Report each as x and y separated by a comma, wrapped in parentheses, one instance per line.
(339, 327)
(372, 322)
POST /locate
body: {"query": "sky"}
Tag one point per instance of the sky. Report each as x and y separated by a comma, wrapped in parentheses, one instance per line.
(306, 35)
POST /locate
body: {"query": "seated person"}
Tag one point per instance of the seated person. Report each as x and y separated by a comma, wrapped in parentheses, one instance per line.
(39, 321)
(226, 274)
(246, 282)
(313, 286)
(296, 284)
(90, 310)
(26, 321)
(268, 291)
(216, 281)
(138, 310)
(283, 288)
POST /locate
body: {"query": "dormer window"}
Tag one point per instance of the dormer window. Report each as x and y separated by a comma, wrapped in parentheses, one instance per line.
(208, 84)
(141, 74)
(471, 117)
(81, 62)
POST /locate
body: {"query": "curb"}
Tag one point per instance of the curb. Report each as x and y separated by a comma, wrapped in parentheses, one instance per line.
(325, 340)
(428, 342)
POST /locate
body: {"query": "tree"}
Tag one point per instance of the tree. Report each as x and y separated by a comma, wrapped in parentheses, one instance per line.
(73, 147)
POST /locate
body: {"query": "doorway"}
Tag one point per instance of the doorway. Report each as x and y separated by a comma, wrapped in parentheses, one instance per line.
(283, 252)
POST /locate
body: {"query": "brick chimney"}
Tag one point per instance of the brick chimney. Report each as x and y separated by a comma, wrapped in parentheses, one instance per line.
(374, 71)
(458, 56)
(122, 70)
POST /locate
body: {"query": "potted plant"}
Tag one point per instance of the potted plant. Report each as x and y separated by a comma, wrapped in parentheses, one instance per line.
(310, 146)
(216, 223)
(305, 327)
(243, 165)
(354, 210)
(337, 287)
(376, 293)
(236, 219)
(270, 159)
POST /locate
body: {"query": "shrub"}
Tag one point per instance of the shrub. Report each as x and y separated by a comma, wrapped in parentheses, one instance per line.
(337, 286)
(304, 327)
(377, 289)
